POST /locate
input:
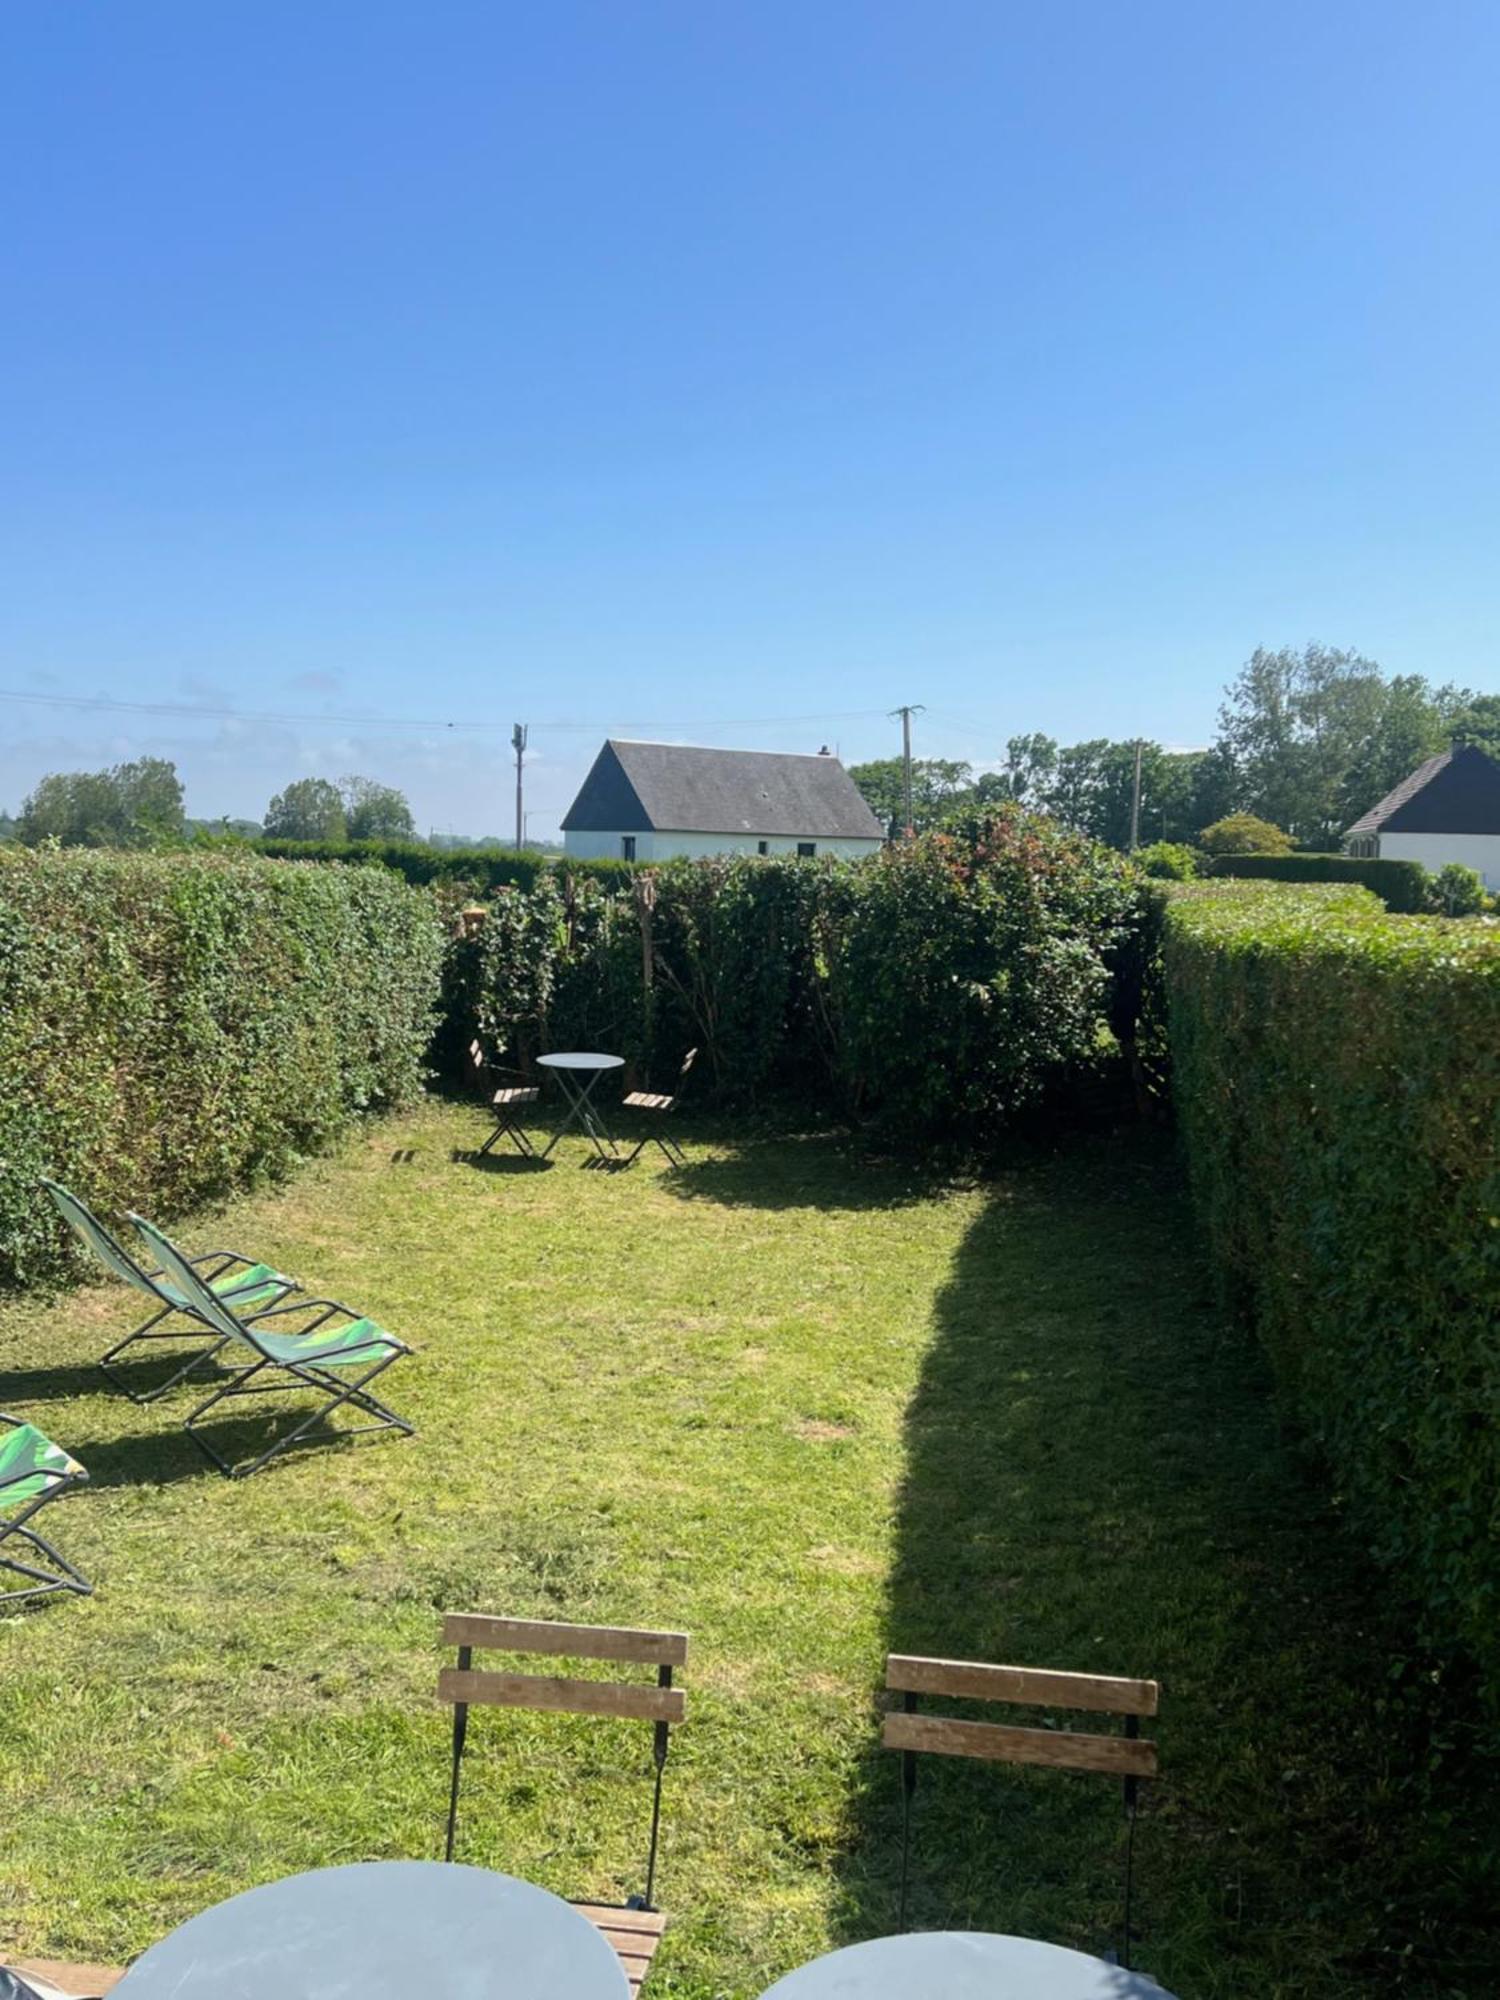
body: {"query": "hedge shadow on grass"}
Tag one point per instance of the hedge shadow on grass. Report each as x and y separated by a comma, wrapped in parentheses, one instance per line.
(795, 1170)
(1096, 1481)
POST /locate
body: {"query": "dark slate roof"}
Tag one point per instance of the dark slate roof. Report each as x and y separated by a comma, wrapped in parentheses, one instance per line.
(675, 788)
(1458, 791)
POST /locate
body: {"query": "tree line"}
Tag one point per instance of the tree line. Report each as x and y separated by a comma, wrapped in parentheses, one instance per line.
(1308, 739)
(140, 805)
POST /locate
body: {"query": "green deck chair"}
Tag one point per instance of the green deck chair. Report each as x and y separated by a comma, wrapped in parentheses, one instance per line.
(34, 1470)
(247, 1284)
(337, 1353)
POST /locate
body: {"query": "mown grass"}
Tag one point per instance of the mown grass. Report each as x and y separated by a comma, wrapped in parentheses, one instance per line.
(806, 1407)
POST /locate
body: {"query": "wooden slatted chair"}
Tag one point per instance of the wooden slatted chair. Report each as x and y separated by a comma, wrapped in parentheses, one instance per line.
(506, 1100)
(634, 1927)
(658, 1104)
(1127, 1756)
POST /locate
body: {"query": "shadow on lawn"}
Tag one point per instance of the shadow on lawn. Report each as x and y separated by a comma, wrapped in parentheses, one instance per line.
(797, 1170)
(1095, 1481)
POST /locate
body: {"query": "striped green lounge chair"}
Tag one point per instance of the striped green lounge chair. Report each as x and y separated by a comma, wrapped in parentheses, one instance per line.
(250, 1285)
(33, 1470)
(335, 1352)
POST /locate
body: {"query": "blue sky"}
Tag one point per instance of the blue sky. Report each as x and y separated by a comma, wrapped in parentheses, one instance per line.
(728, 374)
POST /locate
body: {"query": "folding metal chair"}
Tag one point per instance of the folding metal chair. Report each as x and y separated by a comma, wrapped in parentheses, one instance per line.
(1128, 1757)
(322, 1355)
(505, 1102)
(34, 1470)
(246, 1284)
(635, 1926)
(658, 1105)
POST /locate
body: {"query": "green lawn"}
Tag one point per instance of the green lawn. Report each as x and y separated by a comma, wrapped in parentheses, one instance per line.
(806, 1408)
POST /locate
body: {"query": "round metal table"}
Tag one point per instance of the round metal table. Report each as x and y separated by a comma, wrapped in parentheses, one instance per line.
(962, 1965)
(384, 1930)
(577, 1074)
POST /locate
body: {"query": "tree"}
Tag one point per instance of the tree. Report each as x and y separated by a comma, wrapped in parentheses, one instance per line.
(1027, 774)
(1470, 718)
(309, 809)
(1243, 833)
(376, 812)
(938, 785)
(130, 805)
(1297, 724)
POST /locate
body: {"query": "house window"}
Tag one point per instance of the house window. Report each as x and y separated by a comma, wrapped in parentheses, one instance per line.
(762, 846)
(807, 849)
(627, 847)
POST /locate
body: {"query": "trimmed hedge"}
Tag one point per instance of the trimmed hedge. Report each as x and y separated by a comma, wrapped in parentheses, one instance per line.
(1403, 886)
(938, 986)
(172, 1026)
(1336, 1072)
(484, 869)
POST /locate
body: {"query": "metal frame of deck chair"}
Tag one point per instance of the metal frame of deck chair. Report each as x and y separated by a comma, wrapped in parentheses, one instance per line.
(661, 1705)
(17, 1983)
(241, 1279)
(1128, 1757)
(310, 1356)
(505, 1102)
(34, 1470)
(659, 1106)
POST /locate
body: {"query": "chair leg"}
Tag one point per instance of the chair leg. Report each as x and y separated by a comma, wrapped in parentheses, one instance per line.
(670, 1151)
(44, 1582)
(337, 1392)
(148, 1332)
(508, 1129)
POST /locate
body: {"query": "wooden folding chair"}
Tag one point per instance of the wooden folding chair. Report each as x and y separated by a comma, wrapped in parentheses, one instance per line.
(1128, 1756)
(660, 1105)
(634, 1927)
(505, 1101)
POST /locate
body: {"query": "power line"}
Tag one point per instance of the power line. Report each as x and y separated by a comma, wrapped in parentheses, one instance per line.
(193, 711)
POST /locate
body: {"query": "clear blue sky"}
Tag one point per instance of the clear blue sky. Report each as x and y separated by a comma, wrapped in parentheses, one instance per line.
(689, 369)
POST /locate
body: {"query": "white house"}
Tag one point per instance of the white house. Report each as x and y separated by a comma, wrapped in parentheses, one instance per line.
(655, 801)
(1447, 810)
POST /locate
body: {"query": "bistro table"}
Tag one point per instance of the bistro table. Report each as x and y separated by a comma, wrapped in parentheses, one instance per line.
(962, 1965)
(384, 1930)
(576, 1076)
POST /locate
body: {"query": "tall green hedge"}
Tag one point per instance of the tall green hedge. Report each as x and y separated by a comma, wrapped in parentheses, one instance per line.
(174, 1025)
(483, 869)
(938, 986)
(1403, 886)
(1337, 1075)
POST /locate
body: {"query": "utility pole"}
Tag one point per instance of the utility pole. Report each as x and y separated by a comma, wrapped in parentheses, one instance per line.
(518, 744)
(906, 713)
(1135, 801)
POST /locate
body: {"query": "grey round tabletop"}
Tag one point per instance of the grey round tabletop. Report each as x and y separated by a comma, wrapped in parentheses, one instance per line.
(581, 1062)
(961, 1965)
(384, 1930)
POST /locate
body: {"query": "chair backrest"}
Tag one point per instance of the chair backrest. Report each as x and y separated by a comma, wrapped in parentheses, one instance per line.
(203, 1300)
(1127, 1756)
(662, 1705)
(85, 1225)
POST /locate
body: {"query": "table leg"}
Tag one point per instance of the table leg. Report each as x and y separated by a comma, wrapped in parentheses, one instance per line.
(593, 1124)
(581, 1112)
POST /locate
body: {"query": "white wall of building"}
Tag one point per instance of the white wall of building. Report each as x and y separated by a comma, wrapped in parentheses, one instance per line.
(1434, 850)
(675, 846)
